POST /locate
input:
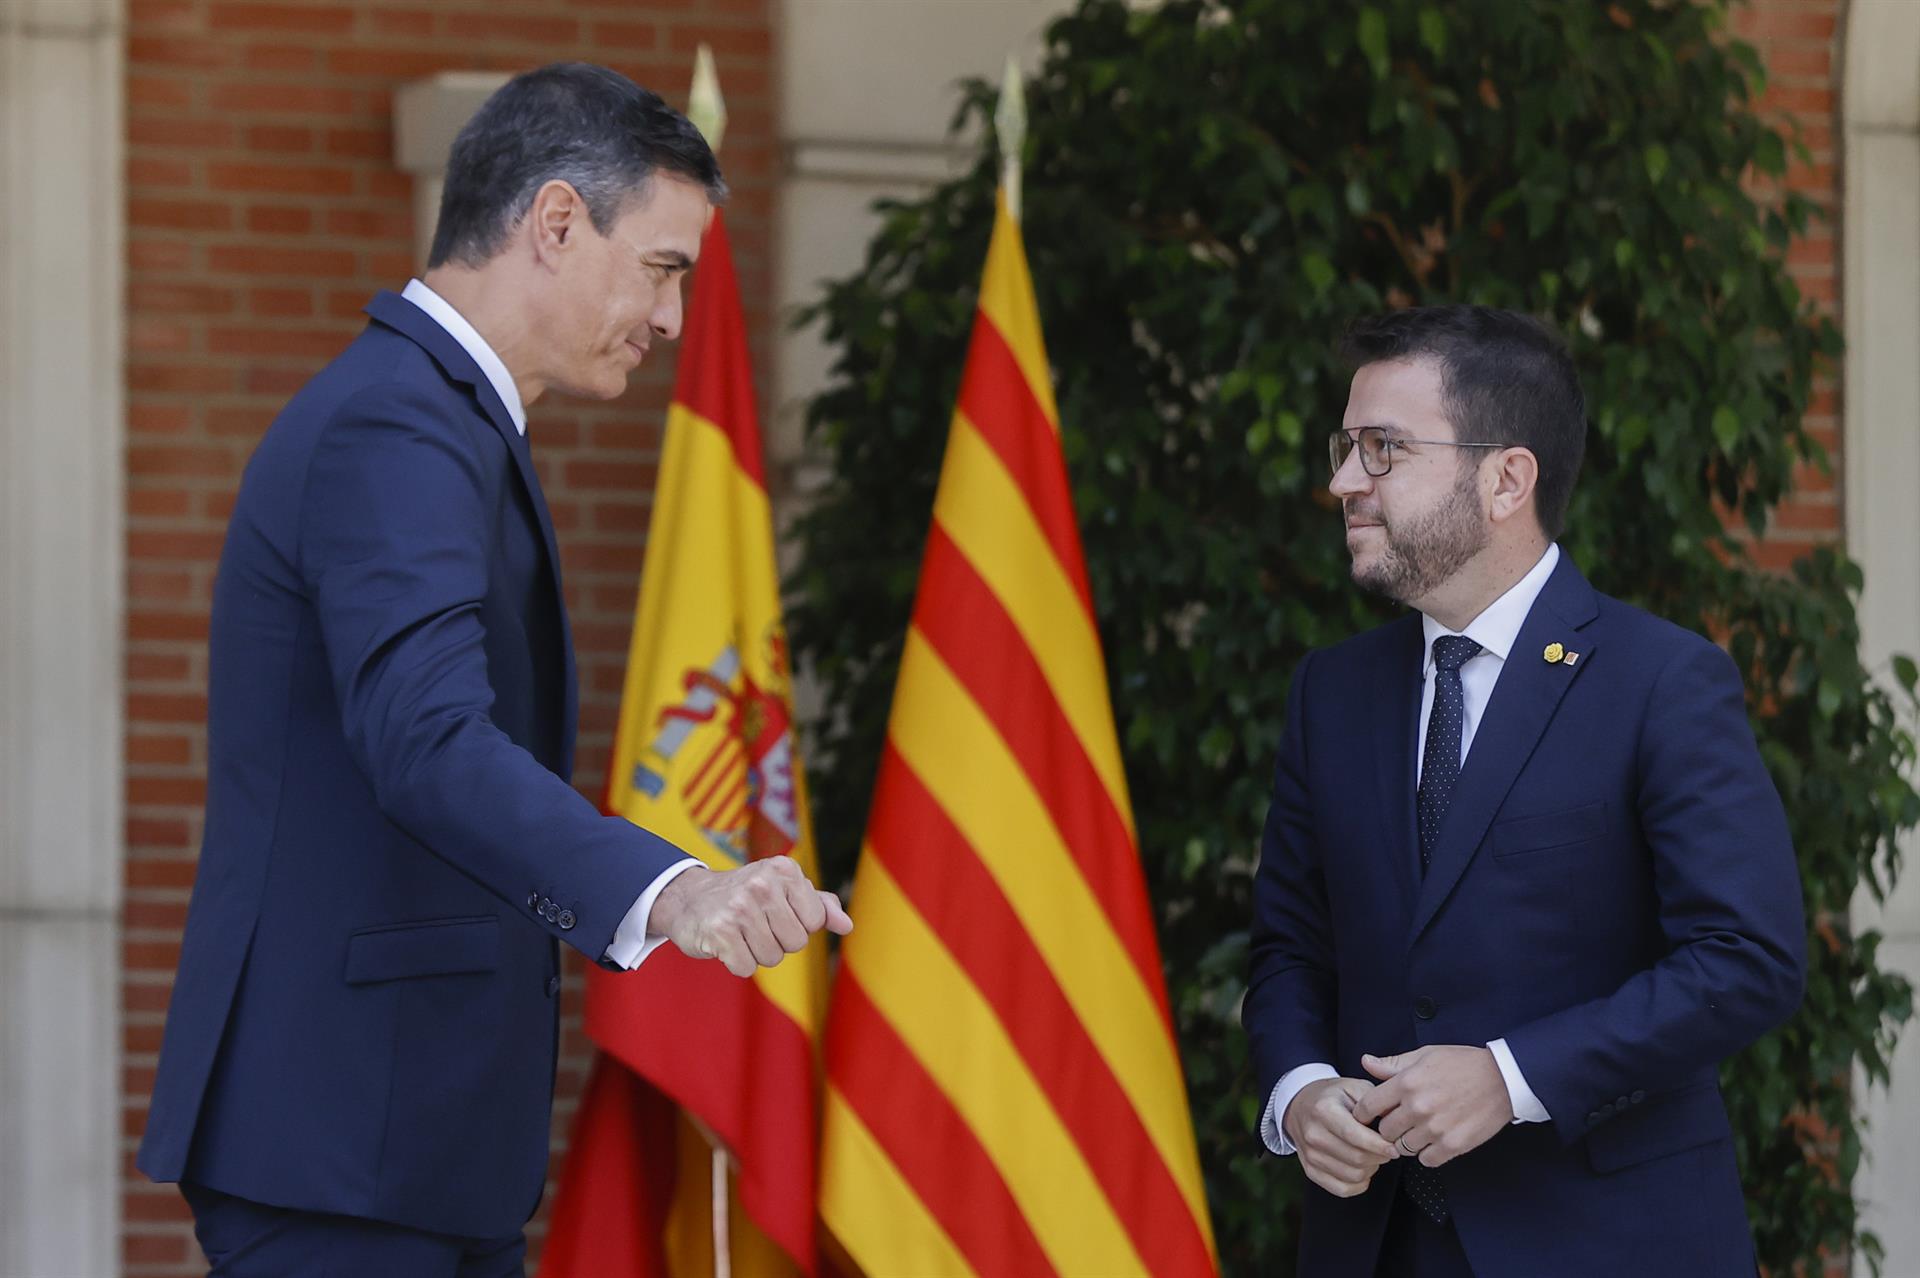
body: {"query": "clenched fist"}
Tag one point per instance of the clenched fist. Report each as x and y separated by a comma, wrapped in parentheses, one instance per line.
(750, 917)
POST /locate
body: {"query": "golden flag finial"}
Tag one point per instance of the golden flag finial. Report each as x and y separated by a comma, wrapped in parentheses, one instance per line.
(1010, 123)
(705, 107)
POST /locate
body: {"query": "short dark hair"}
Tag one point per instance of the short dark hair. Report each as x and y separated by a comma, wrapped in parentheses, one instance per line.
(1505, 378)
(583, 124)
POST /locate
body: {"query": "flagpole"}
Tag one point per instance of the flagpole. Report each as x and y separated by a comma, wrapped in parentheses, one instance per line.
(722, 1255)
(1010, 124)
(708, 112)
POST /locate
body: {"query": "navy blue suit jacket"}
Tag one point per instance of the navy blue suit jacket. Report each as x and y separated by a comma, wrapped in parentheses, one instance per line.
(1614, 893)
(365, 1018)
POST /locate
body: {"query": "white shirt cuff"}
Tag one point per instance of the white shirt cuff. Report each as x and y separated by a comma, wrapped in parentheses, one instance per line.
(1526, 1106)
(1284, 1091)
(631, 940)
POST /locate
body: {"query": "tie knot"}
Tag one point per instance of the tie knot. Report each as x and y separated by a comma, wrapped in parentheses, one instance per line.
(1450, 652)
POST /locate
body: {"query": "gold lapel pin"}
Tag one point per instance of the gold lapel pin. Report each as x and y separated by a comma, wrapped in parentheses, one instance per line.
(1553, 654)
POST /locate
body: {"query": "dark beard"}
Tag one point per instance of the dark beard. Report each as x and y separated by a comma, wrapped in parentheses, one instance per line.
(1423, 554)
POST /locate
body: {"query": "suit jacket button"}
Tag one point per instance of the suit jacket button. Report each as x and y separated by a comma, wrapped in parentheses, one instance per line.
(553, 986)
(1623, 1103)
(566, 920)
(549, 911)
(1638, 1097)
(1593, 1119)
(1424, 1008)
(533, 902)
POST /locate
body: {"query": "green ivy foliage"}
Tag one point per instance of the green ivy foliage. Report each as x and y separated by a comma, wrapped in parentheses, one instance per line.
(1214, 188)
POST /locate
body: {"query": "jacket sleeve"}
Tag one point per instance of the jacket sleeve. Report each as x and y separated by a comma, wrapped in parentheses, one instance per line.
(1289, 1008)
(393, 551)
(1729, 907)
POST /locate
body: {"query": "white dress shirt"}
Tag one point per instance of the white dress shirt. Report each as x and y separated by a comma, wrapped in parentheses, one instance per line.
(631, 940)
(1495, 630)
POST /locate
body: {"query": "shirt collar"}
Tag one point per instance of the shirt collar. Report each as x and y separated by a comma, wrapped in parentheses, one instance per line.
(475, 345)
(1498, 626)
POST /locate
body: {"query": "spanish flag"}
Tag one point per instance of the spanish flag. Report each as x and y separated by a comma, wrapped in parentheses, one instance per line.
(1004, 1097)
(695, 1141)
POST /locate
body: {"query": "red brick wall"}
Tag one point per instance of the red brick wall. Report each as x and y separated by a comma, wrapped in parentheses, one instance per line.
(263, 210)
(1800, 41)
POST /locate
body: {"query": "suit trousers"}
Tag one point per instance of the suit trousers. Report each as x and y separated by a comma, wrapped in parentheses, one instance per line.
(1416, 1247)
(245, 1239)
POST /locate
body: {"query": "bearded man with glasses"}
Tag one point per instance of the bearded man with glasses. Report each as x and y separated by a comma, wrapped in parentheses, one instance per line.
(1525, 881)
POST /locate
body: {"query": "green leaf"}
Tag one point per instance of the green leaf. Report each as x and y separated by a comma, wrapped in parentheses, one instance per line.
(1905, 671)
(1828, 699)
(1633, 433)
(1319, 272)
(1726, 428)
(1656, 159)
(1433, 32)
(1371, 34)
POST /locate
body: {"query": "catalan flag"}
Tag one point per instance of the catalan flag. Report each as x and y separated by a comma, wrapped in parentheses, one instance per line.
(694, 1062)
(1004, 1096)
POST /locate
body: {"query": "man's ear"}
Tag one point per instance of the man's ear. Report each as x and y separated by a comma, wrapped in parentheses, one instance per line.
(1516, 475)
(555, 220)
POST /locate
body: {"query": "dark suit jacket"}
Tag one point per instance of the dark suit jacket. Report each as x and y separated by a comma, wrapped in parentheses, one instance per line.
(365, 1018)
(1614, 893)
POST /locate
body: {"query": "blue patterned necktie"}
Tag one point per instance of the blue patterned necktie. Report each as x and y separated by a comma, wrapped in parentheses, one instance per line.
(1439, 773)
(1440, 762)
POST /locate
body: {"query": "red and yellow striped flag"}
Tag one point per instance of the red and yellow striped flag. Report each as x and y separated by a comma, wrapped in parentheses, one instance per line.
(1004, 1097)
(705, 757)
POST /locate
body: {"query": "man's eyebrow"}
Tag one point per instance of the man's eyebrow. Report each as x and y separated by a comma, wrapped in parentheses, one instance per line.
(672, 259)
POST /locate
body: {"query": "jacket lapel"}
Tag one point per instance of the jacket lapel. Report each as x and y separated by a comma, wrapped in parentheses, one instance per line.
(1524, 700)
(1396, 720)
(523, 460)
(398, 313)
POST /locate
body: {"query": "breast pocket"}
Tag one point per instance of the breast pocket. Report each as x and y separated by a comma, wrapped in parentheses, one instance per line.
(1548, 831)
(435, 947)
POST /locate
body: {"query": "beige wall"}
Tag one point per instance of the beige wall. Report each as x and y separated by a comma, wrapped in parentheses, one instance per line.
(60, 608)
(1882, 250)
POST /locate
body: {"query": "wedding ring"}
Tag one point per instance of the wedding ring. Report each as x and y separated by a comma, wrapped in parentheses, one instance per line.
(1410, 1153)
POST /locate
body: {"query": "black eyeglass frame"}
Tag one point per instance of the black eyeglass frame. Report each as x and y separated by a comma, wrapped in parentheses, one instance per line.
(1340, 444)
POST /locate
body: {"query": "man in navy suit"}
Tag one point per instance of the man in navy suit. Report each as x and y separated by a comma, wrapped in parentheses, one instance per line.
(1525, 882)
(357, 1074)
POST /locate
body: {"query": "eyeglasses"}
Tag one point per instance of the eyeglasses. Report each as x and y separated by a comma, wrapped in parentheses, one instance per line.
(1377, 448)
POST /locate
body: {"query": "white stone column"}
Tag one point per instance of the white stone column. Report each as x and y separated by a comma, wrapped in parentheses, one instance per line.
(427, 116)
(1881, 247)
(867, 88)
(61, 591)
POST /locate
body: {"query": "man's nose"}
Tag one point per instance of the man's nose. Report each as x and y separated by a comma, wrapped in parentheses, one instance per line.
(1351, 479)
(668, 312)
